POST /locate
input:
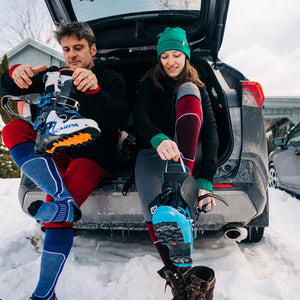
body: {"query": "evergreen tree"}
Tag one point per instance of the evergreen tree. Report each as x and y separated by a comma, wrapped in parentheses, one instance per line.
(4, 66)
(8, 168)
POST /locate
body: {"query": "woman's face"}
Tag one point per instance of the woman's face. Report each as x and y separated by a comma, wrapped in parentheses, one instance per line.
(173, 62)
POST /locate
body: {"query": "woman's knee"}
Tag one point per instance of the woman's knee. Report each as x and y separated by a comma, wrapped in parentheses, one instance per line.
(17, 132)
(188, 88)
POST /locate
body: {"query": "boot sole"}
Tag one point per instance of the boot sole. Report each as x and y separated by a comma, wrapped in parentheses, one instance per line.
(82, 138)
(170, 234)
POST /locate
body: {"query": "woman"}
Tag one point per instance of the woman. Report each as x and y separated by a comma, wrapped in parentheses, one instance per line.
(172, 117)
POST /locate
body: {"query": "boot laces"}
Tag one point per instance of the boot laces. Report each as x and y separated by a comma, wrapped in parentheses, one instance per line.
(197, 291)
(176, 285)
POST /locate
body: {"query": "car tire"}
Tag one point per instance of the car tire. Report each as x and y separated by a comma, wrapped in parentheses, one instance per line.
(273, 177)
(255, 234)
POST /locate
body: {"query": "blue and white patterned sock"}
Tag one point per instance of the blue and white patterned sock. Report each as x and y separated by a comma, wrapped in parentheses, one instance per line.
(57, 246)
(44, 173)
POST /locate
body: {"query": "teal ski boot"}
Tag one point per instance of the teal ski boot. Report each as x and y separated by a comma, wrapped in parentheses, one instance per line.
(173, 227)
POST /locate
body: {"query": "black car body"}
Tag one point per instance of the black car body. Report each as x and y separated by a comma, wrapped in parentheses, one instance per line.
(284, 162)
(126, 38)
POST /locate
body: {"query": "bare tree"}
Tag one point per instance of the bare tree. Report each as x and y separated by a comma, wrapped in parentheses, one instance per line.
(22, 19)
(179, 4)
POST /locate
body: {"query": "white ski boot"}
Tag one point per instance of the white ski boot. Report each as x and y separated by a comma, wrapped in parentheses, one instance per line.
(59, 125)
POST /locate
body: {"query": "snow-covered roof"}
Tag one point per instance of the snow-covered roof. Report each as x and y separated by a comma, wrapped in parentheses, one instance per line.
(35, 44)
(35, 53)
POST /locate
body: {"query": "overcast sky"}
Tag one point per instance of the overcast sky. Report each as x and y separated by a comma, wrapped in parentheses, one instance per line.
(262, 40)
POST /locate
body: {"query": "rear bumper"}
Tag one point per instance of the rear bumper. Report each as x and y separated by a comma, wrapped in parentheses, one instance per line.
(107, 208)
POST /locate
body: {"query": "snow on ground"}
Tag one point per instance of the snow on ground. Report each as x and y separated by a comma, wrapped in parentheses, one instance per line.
(105, 266)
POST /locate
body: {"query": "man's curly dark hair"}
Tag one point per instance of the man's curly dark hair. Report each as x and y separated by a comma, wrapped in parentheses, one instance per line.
(79, 29)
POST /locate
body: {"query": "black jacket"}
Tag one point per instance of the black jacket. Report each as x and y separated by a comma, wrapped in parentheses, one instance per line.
(154, 113)
(108, 107)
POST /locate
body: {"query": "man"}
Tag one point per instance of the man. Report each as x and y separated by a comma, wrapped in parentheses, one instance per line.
(69, 177)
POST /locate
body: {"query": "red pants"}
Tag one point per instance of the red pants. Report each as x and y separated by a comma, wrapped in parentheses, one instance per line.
(80, 175)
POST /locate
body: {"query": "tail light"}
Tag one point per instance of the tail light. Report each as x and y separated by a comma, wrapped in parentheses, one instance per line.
(223, 186)
(253, 94)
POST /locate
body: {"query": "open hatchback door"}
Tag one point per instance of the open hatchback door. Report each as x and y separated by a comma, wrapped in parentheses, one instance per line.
(134, 24)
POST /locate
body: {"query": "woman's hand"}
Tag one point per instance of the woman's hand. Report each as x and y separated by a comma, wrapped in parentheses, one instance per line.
(168, 150)
(210, 201)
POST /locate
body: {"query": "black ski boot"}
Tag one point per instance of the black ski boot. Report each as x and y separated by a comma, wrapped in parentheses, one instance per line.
(59, 124)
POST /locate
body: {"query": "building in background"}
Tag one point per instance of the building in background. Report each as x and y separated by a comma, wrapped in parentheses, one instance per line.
(35, 53)
(281, 114)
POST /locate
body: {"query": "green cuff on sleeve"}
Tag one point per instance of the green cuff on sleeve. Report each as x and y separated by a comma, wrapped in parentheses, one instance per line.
(157, 139)
(204, 184)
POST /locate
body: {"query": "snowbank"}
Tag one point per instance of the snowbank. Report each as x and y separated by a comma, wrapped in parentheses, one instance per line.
(105, 266)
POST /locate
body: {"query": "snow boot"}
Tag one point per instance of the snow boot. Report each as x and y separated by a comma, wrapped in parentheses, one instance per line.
(59, 125)
(199, 283)
(175, 281)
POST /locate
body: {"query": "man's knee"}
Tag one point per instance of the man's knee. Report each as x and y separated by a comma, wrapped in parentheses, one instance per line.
(17, 132)
(63, 225)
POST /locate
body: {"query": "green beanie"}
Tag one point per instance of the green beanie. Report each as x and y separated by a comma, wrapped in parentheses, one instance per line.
(173, 39)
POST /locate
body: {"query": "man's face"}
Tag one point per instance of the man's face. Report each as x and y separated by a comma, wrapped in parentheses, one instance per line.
(77, 53)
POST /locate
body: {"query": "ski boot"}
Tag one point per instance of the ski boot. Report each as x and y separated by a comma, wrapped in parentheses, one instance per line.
(59, 124)
(199, 283)
(172, 217)
(174, 279)
(173, 228)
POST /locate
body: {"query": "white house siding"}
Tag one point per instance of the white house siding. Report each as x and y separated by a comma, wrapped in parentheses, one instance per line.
(35, 53)
(34, 57)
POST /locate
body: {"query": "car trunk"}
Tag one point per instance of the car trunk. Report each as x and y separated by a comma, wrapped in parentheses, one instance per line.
(134, 66)
(116, 200)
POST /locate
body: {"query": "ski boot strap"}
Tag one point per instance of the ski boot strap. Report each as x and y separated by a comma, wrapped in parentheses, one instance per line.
(59, 100)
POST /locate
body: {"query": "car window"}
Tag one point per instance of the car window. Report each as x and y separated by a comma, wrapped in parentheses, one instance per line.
(294, 136)
(91, 10)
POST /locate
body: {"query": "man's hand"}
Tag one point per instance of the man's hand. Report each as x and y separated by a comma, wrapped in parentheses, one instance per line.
(22, 74)
(210, 201)
(168, 150)
(85, 79)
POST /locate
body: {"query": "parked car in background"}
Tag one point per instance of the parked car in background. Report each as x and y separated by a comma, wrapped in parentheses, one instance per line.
(284, 162)
(126, 40)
